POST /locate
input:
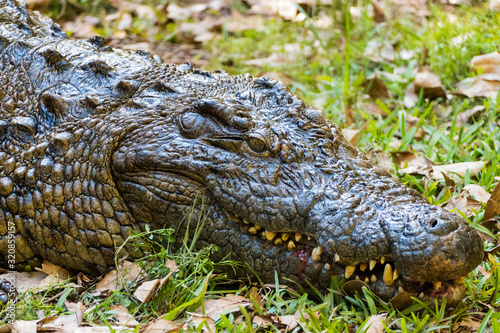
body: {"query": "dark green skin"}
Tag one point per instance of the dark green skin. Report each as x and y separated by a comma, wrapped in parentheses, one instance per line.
(98, 143)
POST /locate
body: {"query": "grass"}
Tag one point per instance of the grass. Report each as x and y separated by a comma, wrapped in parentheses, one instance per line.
(330, 77)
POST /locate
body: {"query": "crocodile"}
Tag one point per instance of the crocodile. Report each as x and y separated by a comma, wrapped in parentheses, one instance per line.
(99, 143)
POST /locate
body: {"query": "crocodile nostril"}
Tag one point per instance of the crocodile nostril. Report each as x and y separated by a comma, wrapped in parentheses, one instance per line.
(433, 223)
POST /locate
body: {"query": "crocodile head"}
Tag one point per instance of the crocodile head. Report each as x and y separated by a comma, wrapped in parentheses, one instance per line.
(284, 191)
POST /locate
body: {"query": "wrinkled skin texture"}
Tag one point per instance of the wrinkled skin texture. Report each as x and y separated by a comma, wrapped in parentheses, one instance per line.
(98, 143)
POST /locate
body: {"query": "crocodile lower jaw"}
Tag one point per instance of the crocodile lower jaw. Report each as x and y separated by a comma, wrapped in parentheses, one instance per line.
(377, 274)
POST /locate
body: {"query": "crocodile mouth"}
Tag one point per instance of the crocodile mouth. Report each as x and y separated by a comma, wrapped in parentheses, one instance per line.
(379, 275)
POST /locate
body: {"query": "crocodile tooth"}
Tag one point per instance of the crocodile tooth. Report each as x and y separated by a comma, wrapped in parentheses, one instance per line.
(395, 275)
(367, 280)
(349, 270)
(252, 230)
(285, 236)
(373, 278)
(363, 266)
(337, 257)
(270, 235)
(309, 237)
(291, 245)
(382, 260)
(421, 295)
(400, 289)
(263, 235)
(258, 227)
(298, 237)
(319, 250)
(460, 280)
(245, 221)
(278, 241)
(327, 266)
(315, 255)
(388, 275)
(372, 264)
(357, 278)
(437, 285)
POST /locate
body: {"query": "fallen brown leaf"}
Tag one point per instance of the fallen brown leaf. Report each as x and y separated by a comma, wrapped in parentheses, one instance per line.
(24, 326)
(26, 280)
(379, 51)
(409, 159)
(123, 316)
(457, 168)
(351, 136)
(493, 204)
(486, 63)
(376, 88)
(375, 324)
(114, 280)
(371, 108)
(478, 192)
(206, 323)
(430, 83)
(484, 85)
(411, 98)
(463, 203)
(466, 117)
(161, 326)
(229, 304)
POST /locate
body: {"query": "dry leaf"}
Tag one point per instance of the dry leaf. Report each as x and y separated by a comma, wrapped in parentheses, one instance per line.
(229, 304)
(464, 204)
(374, 324)
(493, 204)
(56, 274)
(376, 88)
(488, 63)
(421, 170)
(25, 280)
(262, 320)
(129, 271)
(351, 136)
(457, 168)
(478, 192)
(410, 159)
(206, 322)
(123, 316)
(430, 83)
(484, 85)
(24, 326)
(465, 117)
(371, 108)
(161, 326)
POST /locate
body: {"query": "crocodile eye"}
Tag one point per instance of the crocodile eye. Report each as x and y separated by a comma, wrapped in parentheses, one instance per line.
(257, 145)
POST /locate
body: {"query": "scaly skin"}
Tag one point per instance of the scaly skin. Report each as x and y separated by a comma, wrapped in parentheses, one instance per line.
(97, 143)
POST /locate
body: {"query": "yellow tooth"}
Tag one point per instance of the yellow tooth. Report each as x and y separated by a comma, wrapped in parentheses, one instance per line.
(327, 266)
(319, 250)
(309, 237)
(270, 235)
(437, 285)
(388, 275)
(363, 266)
(372, 264)
(395, 275)
(367, 280)
(278, 241)
(357, 278)
(298, 237)
(349, 270)
(382, 260)
(291, 245)
(400, 289)
(421, 296)
(460, 280)
(315, 255)
(263, 235)
(285, 236)
(373, 278)
(245, 221)
(252, 230)
(258, 227)
(337, 257)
